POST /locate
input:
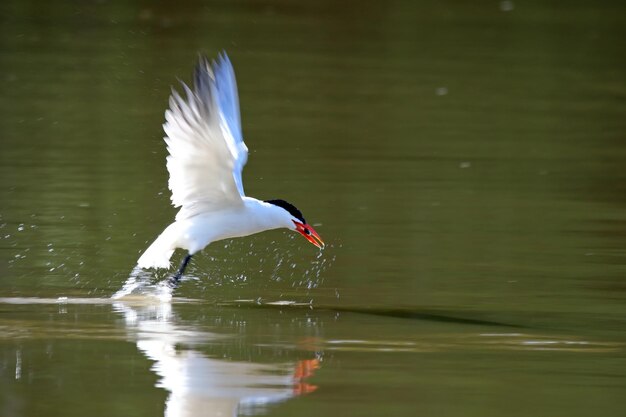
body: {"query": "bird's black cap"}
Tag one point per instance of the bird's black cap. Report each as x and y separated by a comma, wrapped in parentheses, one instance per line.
(289, 207)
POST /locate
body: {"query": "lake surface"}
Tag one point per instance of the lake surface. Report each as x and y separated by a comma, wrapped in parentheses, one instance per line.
(465, 164)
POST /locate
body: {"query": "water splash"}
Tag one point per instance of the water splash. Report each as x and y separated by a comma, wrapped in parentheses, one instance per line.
(254, 263)
(260, 263)
(139, 283)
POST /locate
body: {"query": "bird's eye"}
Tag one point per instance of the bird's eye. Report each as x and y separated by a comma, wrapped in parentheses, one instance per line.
(307, 231)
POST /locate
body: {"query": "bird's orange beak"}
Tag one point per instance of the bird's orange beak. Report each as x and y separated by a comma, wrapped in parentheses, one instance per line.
(309, 234)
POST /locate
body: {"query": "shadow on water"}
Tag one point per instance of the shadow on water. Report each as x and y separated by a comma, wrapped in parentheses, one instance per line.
(140, 283)
(398, 313)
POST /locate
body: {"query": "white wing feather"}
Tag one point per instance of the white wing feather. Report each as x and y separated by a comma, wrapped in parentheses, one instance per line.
(204, 140)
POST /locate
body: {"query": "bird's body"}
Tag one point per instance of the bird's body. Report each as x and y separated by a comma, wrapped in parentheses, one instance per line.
(195, 233)
(207, 155)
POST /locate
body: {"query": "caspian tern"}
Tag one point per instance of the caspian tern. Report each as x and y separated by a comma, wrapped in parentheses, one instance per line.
(206, 157)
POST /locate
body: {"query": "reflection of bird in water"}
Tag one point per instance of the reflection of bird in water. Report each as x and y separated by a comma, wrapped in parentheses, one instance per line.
(206, 158)
(203, 386)
(305, 369)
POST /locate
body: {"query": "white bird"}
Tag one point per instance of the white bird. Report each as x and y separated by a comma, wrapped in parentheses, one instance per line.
(206, 157)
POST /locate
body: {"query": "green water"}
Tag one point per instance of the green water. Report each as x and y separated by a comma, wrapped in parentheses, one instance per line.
(465, 164)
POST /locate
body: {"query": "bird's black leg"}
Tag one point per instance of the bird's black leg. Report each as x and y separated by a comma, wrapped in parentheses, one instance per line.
(176, 277)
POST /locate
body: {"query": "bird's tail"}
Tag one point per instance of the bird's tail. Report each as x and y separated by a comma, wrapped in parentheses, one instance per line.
(158, 254)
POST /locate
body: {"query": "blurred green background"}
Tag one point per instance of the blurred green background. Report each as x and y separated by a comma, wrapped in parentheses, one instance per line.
(462, 160)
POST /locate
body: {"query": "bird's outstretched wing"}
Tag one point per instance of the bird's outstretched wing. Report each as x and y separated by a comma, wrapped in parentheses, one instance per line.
(204, 141)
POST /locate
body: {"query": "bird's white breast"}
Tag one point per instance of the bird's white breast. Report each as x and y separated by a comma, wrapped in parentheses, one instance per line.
(252, 217)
